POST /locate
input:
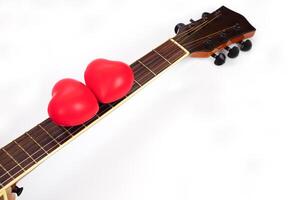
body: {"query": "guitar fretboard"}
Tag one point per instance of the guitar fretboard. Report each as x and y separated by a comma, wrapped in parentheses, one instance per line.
(26, 152)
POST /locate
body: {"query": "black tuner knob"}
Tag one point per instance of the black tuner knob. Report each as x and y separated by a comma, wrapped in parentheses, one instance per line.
(245, 45)
(192, 21)
(219, 59)
(178, 27)
(233, 52)
(17, 190)
(205, 14)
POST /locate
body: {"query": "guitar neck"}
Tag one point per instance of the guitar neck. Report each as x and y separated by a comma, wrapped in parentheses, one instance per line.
(25, 153)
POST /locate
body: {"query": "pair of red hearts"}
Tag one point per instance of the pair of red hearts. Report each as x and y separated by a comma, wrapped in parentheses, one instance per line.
(74, 103)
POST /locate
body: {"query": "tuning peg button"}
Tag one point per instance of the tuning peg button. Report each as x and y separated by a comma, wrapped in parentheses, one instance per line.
(219, 59)
(246, 45)
(17, 190)
(232, 52)
(205, 14)
(178, 27)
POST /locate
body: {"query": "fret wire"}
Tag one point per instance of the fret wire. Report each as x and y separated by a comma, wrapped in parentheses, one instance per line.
(37, 143)
(49, 134)
(146, 78)
(58, 133)
(174, 51)
(67, 131)
(162, 56)
(140, 73)
(137, 82)
(152, 57)
(24, 150)
(22, 169)
(157, 65)
(147, 67)
(10, 165)
(19, 156)
(13, 159)
(6, 171)
(41, 137)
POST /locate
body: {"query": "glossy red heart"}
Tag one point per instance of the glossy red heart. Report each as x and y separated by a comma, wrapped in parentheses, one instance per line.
(72, 103)
(109, 80)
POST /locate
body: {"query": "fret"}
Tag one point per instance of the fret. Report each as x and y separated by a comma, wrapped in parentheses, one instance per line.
(141, 74)
(42, 139)
(31, 147)
(13, 159)
(5, 177)
(23, 159)
(10, 165)
(155, 62)
(146, 67)
(136, 82)
(58, 133)
(36, 143)
(171, 51)
(24, 151)
(67, 131)
(49, 134)
(162, 57)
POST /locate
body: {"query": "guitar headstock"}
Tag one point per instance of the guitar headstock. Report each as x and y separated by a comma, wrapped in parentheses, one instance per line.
(214, 32)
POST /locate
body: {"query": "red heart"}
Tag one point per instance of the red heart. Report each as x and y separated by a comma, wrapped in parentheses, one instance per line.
(109, 80)
(72, 103)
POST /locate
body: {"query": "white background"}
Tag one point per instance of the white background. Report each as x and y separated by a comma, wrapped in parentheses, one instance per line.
(197, 132)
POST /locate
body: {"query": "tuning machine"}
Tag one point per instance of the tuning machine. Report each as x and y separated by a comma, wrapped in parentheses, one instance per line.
(179, 27)
(232, 52)
(220, 59)
(17, 190)
(205, 14)
(245, 45)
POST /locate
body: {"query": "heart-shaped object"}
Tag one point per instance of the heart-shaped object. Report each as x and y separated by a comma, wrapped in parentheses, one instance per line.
(72, 103)
(109, 80)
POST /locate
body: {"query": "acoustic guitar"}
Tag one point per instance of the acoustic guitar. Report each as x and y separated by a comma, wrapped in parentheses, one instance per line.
(215, 34)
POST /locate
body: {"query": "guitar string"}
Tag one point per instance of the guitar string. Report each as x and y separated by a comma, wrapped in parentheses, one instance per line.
(81, 126)
(199, 39)
(167, 46)
(184, 33)
(195, 29)
(66, 131)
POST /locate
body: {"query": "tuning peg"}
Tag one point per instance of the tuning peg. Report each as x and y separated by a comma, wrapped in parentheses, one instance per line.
(205, 14)
(178, 27)
(219, 59)
(245, 45)
(232, 52)
(18, 191)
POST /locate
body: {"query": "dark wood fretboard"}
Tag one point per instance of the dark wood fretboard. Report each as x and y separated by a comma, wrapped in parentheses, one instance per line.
(20, 156)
